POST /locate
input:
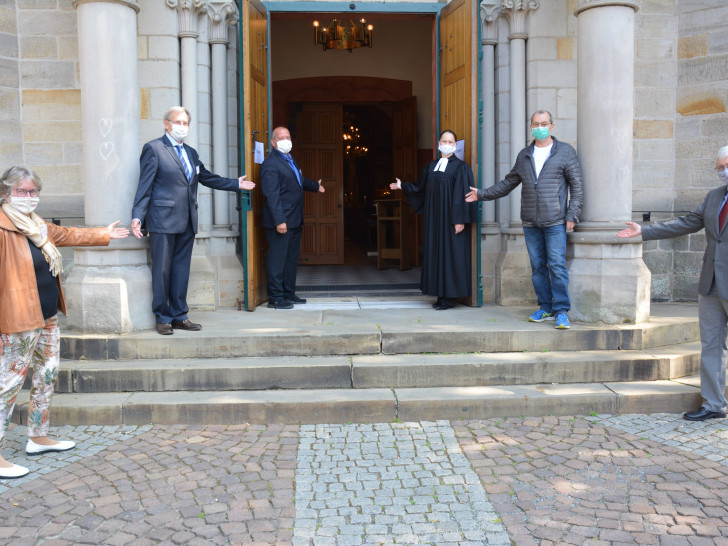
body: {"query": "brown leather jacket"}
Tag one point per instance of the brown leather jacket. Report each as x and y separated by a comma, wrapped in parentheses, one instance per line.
(19, 300)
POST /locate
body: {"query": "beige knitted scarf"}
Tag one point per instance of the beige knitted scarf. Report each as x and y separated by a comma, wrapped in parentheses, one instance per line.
(35, 229)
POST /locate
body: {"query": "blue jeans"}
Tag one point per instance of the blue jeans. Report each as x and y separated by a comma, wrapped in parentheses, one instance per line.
(547, 252)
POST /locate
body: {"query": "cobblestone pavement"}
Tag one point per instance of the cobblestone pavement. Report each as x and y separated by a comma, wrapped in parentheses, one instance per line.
(600, 479)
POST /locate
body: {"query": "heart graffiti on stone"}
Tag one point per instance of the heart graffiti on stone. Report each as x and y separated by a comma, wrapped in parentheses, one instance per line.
(105, 126)
(106, 149)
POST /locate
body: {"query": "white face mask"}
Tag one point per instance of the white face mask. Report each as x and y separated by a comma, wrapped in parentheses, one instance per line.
(284, 146)
(446, 149)
(723, 176)
(179, 132)
(25, 205)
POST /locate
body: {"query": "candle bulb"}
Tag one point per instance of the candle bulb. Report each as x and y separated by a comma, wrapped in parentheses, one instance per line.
(315, 32)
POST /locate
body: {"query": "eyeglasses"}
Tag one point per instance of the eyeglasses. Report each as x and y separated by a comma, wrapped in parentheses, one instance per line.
(183, 123)
(22, 192)
(721, 168)
(542, 124)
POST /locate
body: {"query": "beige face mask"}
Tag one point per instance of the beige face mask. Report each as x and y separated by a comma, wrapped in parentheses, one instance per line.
(25, 205)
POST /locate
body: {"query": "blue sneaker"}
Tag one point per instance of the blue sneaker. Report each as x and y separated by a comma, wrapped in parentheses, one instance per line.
(562, 322)
(540, 316)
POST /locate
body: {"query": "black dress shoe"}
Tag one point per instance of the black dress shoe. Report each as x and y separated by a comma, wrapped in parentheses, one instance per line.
(164, 328)
(702, 414)
(186, 324)
(295, 299)
(280, 304)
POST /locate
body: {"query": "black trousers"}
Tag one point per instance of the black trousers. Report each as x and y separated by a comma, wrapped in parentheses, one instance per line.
(282, 261)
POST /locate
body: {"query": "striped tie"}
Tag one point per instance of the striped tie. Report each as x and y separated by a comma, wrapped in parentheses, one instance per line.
(188, 172)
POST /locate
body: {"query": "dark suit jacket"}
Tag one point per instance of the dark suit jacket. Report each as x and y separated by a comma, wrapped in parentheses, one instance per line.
(715, 259)
(283, 195)
(164, 199)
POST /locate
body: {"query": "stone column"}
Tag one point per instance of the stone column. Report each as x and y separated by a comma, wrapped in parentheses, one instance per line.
(201, 290)
(221, 245)
(222, 14)
(489, 228)
(513, 268)
(109, 289)
(609, 282)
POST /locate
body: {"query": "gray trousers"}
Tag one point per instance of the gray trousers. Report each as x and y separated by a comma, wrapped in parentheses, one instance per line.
(713, 317)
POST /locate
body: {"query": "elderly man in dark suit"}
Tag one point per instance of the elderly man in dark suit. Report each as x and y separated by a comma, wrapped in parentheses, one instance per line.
(283, 184)
(712, 286)
(166, 205)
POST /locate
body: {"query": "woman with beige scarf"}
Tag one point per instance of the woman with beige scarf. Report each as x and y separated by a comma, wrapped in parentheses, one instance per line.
(30, 298)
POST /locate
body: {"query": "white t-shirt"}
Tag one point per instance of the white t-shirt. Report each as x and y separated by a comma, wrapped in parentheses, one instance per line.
(539, 157)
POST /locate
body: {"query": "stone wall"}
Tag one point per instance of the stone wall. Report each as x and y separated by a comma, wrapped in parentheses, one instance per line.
(11, 148)
(48, 139)
(688, 72)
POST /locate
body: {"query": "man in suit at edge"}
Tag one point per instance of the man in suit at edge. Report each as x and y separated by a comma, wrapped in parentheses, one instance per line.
(283, 184)
(712, 286)
(166, 203)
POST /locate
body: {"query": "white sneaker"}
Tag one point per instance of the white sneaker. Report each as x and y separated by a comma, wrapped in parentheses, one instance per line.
(15, 471)
(36, 449)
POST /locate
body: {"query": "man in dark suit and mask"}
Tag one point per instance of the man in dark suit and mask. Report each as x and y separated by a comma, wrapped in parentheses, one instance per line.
(166, 204)
(283, 184)
(711, 215)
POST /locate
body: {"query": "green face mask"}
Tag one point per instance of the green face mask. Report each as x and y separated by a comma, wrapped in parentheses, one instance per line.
(540, 133)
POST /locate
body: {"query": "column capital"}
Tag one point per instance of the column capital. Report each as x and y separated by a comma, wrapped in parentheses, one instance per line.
(490, 10)
(187, 12)
(222, 14)
(588, 4)
(128, 3)
(517, 12)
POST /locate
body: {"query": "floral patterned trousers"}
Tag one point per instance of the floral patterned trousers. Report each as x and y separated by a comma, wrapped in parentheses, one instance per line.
(39, 348)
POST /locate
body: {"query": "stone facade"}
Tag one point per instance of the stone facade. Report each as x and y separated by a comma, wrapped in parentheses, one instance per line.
(680, 120)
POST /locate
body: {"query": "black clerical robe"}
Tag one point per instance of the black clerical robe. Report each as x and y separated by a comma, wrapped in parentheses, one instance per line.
(440, 198)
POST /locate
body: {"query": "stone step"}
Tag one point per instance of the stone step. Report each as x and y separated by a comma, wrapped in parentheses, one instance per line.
(489, 329)
(379, 371)
(306, 406)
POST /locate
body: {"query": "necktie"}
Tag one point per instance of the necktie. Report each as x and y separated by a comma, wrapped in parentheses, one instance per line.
(722, 216)
(293, 166)
(186, 167)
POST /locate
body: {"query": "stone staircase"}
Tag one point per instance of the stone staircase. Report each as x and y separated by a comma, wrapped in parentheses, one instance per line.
(375, 364)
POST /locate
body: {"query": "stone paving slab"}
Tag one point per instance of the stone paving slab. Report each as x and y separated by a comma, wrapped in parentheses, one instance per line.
(598, 479)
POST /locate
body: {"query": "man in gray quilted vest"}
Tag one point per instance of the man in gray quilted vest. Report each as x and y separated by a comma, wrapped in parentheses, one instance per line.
(551, 197)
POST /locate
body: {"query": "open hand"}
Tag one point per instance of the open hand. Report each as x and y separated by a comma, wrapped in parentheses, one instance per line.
(632, 231)
(321, 187)
(118, 232)
(396, 185)
(245, 184)
(472, 195)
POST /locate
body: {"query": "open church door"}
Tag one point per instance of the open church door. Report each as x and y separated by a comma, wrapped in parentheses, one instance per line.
(459, 30)
(253, 40)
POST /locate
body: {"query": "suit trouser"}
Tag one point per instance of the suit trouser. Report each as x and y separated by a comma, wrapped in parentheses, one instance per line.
(171, 258)
(282, 261)
(39, 348)
(713, 318)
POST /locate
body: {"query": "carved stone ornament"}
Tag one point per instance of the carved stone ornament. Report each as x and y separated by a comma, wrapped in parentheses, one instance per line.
(187, 12)
(222, 15)
(489, 12)
(516, 11)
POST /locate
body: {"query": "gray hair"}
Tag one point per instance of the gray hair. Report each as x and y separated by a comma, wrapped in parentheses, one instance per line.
(17, 175)
(176, 110)
(722, 154)
(551, 119)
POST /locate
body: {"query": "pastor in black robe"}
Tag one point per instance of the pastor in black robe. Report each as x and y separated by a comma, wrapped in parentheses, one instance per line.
(440, 198)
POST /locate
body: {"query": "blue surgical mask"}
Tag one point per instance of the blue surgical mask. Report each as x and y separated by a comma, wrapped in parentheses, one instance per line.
(540, 133)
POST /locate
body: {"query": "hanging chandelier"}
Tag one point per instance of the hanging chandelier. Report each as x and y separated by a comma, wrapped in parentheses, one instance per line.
(343, 35)
(351, 137)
